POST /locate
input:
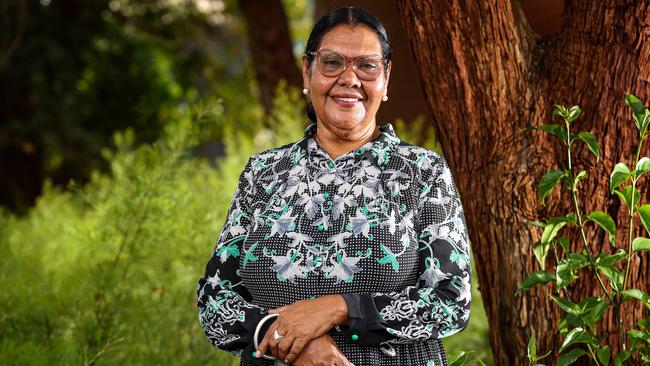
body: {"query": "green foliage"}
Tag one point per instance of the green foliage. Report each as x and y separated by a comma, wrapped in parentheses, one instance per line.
(578, 325)
(104, 273)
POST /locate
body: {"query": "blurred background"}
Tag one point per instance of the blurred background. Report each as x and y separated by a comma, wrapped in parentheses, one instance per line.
(124, 126)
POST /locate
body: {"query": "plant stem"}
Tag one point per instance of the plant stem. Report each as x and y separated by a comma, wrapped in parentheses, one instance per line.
(593, 355)
(630, 229)
(574, 198)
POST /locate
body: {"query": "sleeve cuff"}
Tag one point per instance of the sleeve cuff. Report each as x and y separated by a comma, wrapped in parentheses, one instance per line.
(364, 318)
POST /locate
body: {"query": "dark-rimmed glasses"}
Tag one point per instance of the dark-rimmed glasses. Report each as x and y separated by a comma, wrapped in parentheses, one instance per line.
(331, 63)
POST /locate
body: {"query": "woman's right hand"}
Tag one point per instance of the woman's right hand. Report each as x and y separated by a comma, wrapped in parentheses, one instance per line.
(322, 351)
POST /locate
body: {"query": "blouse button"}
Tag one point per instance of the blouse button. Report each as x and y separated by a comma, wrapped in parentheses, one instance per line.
(355, 337)
(331, 164)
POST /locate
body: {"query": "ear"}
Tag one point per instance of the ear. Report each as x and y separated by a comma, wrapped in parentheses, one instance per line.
(390, 65)
(306, 73)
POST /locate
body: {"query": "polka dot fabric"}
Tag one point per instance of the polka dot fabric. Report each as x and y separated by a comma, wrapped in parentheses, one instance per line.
(382, 225)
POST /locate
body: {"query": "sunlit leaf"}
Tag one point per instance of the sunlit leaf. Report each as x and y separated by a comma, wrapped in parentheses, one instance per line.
(620, 174)
(644, 215)
(557, 130)
(567, 305)
(603, 355)
(591, 142)
(570, 357)
(535, 278)
(642, 167)
(458, 358)
(573, 114)
(576, 335)
(637, 294)
(604, 221)
(640, 244)
(625, 194)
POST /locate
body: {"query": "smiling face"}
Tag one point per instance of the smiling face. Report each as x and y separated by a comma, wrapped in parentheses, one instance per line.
(345, 105)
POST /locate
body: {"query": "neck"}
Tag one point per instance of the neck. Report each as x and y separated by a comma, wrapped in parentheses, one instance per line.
(340, 143)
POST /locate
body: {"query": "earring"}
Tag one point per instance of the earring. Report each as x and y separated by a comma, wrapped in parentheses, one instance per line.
(384, 98)
(305, 91)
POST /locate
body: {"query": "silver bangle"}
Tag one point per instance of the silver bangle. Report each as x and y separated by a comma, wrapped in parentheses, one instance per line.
(257, 333)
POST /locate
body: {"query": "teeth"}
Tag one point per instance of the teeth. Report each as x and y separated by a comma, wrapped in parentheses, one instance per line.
(348, 100)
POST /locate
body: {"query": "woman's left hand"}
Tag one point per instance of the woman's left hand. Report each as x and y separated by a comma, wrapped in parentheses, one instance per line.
(300, 322)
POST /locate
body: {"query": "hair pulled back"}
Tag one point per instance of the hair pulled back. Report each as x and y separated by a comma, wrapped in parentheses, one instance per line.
(351, 16)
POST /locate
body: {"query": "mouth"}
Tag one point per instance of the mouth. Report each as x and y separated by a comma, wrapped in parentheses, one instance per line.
(346, 100)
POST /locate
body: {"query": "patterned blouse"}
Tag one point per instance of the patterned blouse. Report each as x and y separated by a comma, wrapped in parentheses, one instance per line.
(382, 225)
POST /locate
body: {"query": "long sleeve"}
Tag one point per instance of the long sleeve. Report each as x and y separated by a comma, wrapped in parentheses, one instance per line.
(438, 306)
(225, 311)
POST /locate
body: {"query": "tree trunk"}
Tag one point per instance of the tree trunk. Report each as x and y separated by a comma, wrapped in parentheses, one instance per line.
(487, 75)
(271, 47)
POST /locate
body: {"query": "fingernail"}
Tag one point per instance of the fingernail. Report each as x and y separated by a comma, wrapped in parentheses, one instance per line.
(258, 354)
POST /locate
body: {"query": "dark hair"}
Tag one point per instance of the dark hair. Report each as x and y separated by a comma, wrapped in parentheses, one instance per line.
(351, 16)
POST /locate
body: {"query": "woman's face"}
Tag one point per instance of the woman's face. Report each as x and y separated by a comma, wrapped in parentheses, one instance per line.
(345, 104)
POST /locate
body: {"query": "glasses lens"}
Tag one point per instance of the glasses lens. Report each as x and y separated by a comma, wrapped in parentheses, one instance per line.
(369, 67)
(331, 63)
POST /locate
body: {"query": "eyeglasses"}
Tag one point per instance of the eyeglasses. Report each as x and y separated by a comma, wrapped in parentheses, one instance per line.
(331, 63)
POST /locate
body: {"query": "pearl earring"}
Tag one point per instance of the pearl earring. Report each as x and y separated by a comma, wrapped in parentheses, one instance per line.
(384, 98)
(305, 91)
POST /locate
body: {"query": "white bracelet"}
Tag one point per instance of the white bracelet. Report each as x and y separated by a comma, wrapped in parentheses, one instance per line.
(257, 333)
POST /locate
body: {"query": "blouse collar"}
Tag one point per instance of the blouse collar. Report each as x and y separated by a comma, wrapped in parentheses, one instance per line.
(377, 151)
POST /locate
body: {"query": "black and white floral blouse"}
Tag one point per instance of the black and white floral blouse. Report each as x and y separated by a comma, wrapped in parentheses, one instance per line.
(382, 225)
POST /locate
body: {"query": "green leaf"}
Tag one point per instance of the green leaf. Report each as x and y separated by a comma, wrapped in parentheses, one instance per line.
(532, 348)
(553, 227)
(642, 167)
(640, 244)
(638, 109)
(458, 358)
(535, 278)
(603, 355)
(576, 335)
(591, 142)
(620, 174)
(573, 114)
(565, 275)
(567, 305)
(644, 215)
(570, 357)
(582, 175)
(541, 250)
(625, 194)
(564, 243)
(635, 334)
(614, 276)
(593, 310)
(548, 182)
(637, 294)
(557, 130)
(622, 356)
(606, 260)
(604, 221)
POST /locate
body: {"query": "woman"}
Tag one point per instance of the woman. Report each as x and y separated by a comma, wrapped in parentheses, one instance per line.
(355, 240)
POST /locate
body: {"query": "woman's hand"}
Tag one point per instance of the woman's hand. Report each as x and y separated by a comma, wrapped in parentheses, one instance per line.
(322, 351)
(301, 322)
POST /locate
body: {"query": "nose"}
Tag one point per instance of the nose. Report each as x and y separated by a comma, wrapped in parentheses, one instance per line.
(349, 78)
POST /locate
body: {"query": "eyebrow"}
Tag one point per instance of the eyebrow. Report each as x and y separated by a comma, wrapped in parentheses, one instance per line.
(369, 54)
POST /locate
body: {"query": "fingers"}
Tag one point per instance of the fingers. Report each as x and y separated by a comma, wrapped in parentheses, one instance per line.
(278, 310)
(264, 347)
(284, 346)
(297, 347)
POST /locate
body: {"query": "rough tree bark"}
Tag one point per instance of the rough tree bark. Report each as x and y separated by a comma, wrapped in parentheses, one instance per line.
(271, 47)
(487, 75)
